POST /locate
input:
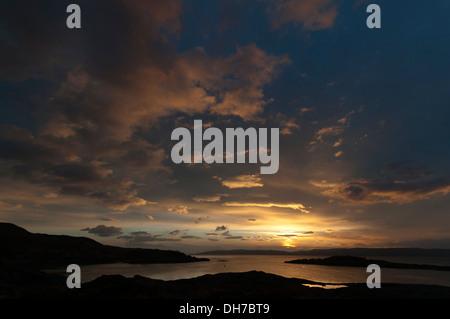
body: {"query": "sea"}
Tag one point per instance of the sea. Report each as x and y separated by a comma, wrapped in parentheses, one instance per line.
(335, 276)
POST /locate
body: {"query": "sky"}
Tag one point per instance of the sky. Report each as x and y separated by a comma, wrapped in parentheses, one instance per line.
(86, 117)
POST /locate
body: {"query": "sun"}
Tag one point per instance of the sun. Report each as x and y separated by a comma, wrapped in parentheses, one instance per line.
(288, 243)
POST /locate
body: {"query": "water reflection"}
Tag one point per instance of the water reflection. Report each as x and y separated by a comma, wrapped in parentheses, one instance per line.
(269, 264)
(325, 286)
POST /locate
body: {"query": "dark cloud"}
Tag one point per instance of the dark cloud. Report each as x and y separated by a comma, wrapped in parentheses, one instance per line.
(76, 172)
(388, 190)
(200, 219)
(354, 192)
(405, 169)
(310, 15)
(138, 233)
(177, 232)
(221, 228)
(190, 237)
(104, 231)
(139, 238)
(109, 81)
(108, 219)
(234, 237)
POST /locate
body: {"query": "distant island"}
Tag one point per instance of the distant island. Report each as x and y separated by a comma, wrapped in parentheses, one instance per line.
(353, 261)
(22, 249)
(244, 252)
(397, 252)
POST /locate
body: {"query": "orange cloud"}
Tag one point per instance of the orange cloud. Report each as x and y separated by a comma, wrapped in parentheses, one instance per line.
(243, 181)
(294, 206)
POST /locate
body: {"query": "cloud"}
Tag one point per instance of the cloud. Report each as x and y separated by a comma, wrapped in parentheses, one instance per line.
(252, 69)
(10, 206)
(200, 219)
(310, 15)
(108, 219)
(213, 198)
(243, 181)
(179, 209)
(119, 199)
(190, 237)
(338, 142)
(294, 206)
(104, 231)
(88, 143)
(234, 237)
(386, 190)
(335, 129)
(177, 232)
(287, 124)
(405, 169)
(329, 130)
(51, 195)
(304, 110)
(139, 238)
(42, 159)
(338, 154)
(221, 228)
(251, 220)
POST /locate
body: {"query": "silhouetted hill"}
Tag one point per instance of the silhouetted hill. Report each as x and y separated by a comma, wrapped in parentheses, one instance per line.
(353, 261)
(20, 248)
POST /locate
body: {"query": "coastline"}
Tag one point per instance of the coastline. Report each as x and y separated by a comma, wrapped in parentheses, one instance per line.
(32, 284)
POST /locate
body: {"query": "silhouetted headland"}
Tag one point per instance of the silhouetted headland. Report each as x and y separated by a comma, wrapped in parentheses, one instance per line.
(353, 261)
(22, 249)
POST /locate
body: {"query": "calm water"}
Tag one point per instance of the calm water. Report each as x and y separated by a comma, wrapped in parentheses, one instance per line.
(275, 265)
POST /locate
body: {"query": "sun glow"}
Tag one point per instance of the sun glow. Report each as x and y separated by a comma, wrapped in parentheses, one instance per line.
(288, 242)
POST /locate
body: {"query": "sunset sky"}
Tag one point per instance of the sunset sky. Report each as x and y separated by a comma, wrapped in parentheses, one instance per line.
(86, 117)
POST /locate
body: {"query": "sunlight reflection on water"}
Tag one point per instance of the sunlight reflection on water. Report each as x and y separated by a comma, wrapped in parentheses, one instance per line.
(325, 286)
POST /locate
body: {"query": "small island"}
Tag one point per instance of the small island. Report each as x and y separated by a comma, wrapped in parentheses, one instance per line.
(354, 261)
